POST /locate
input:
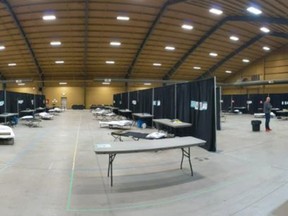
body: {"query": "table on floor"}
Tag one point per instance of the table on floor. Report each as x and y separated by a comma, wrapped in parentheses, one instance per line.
(282, 114)
(126, 113)
(7, 115)
(172, 125)
(114, 148)
(144, 117)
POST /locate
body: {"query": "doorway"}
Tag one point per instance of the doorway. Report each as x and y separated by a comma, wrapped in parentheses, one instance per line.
(64, 103)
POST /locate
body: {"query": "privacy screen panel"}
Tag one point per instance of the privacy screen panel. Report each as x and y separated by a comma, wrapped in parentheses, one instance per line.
(117, 100)
(125, 101)
(164, 102)
(134, 101)
(145, 101)
(203, 116)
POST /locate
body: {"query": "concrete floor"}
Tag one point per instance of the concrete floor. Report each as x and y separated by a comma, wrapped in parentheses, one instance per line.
(53, 171)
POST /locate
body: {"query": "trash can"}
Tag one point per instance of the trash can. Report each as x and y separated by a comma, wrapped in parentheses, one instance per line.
(256, 125)
(139, 123)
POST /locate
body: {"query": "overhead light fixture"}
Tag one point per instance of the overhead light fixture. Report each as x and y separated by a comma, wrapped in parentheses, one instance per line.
(228, 71)
(106, 83)
(62, 83)
(234, 38)
(266, 48)
(110, 62)
(265, 29)
(254, 10)
(59, 62)
(170, 48)
(216, 11)
(147, 84)
(55, 43)
(115, 43)
(245, 60)
(187, 27)
(12, 64)
(157, 64)
(123, 18)
(21, 84)
(197, 68)
(2, 47)
(213, 54)
(49, 17)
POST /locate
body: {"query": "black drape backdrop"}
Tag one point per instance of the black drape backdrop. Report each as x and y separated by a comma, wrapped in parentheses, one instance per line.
(218, 108)
(183, 93)
(145, 101)
(164, 102)
(134, 101)
(125, 101)
(116, 100)
(203, 119)
(277, 100)
(15, 102)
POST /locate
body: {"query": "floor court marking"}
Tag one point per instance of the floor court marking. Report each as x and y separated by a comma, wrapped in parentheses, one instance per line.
(68, 206)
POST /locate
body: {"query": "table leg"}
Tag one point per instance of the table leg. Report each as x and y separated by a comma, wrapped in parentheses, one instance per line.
(110, 167)
(186, 153)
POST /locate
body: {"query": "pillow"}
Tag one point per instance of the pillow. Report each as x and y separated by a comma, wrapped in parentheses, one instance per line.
(156, 135)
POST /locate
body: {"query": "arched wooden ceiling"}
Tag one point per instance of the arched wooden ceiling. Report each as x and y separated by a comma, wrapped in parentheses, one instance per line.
(86, 28)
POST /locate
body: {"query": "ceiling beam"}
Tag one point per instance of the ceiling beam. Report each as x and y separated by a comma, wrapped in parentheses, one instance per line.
(86, 19)
(193, 48)
(231, 55)
(171, 2)
(270, 20)
(23, 34)
(279, 34)
(147, 36)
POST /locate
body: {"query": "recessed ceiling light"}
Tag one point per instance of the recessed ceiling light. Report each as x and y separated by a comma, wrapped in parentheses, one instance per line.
(12, 64)
(265, 29)
(59, 62)
(216, 11)
(2, 47)
(197, 68)
(187, 27)
(228, 71)
(106, 83)
(62, 83)
(234, 38)
(170, 48)
(147, 84)
(123, 18)
(266, 48)
(254, 10)
(245, 60)
(55, 43)
(213, 54)
(21, 84)
(110, 62)
(157, 64)
(115, 43)
(49, 17)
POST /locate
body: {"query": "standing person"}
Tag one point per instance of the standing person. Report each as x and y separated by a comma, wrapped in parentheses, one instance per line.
(267, 109)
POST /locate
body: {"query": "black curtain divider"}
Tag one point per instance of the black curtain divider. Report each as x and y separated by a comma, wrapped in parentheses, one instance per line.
(40, 101)
(183, 94)
(164, 102)
(117, 100)
(226, 102)
(124, 101)
(203, 117)
(2, 102)
(145, 101)
(134, 101)
(218, 106)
